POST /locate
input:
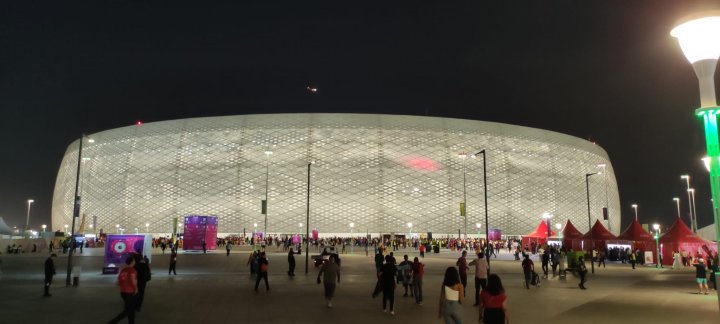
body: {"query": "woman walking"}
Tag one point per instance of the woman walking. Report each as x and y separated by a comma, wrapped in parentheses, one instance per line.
(387, 282)
(492, 308)
(451, 297)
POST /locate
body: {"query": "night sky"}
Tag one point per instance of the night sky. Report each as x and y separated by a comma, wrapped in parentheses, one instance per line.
(607, 71)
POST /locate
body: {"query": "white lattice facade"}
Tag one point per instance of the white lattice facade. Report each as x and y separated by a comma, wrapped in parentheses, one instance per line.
(379, 172)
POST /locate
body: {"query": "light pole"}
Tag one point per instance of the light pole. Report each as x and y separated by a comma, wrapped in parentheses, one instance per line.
(694, 211)
(487, 227)
(267, 183)
(66, 227)
(117, 228)
(43, 227)
(700, 42)
(463, 205)
(76, 207)
(547, 217)
(478, 225)
(307, 220)
(352, 245)
(147, 227)
(606, 210)
(27, 221)
(635, 206)
(690, 202)
(592, 242)
(677, 202)
(656, 227)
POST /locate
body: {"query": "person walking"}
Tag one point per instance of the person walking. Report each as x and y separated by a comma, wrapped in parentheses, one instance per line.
(49, 273)
(601, 258)
(387, 283)
(545, 260)
(713, 267)
(554, 260)
(291, 260)
(405, 275)
(482, 268)
(632, 257)
(228, 247)
(701, 276)
(173, 261)
(379, 260)
(528, 270)
(451, 297)
(462, 269)
(492, 307)
(143, 276)
(262, 272)
(204, 247)
(418, 271)
(329, 271)
(677, 262)
(127, 280)
(582, 271)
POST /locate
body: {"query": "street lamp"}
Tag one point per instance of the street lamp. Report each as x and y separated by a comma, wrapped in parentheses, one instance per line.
(463, 205)
(635, 206)
(478, 225)
(147, 227)
(43, 227)
(117, 228)
(547, 217)
(487, 227)
(700, 42)
(307, 220)
(691, 191)
(352, 245)
(27, 222)
(677, 202)
(267, 183)
(66, 227)
(592, 242)
(656, 227)
(690, 201)
(606, 210)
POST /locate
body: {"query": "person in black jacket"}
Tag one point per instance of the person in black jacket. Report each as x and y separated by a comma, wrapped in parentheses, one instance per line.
(291, 261)
(49, 273)
(143, 276)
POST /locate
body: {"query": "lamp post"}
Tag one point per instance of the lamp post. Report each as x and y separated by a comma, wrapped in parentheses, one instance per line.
(487, 227)
(478, 225)
(592, 242)
(352, 245)
(66, 227)
(694, 211)
(463, 205)
(147, 227)
(547, 217)
(677, 202)
(635, 206)
(267, 183)
(43, 227)
(700, 42)
(656, 227)
(307, 220)
(690, 201)
(606, 210)
(27, 221)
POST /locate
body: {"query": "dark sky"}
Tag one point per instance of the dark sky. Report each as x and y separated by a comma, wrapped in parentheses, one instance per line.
(605, 70)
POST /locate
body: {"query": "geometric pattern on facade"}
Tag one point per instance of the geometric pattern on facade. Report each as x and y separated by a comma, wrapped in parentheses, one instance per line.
(379, 172)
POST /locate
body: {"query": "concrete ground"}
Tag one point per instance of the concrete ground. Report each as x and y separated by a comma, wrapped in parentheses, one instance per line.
(215, 288)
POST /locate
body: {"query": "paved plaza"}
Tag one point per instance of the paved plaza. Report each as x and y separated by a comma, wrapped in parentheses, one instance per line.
(215, 288)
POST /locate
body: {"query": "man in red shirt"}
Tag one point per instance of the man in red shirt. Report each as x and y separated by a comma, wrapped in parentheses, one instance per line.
(127, 280)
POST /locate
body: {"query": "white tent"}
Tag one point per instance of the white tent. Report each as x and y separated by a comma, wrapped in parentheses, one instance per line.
(707, 232)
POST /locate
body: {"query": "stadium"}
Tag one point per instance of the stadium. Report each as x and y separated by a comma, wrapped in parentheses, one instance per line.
(382, 173)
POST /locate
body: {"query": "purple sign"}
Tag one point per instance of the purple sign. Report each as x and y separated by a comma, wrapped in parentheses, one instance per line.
(296, 239)
(315, 234)
(119, 247)
(199, 229)
(495, 234)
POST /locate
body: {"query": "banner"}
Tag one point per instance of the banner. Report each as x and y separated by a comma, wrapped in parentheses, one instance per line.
(495, 234)
(315, 234)
(199, 229)
(296, 239)
(119, 246)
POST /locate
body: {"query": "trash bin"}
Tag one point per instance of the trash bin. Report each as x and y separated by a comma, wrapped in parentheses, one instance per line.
(76, 275)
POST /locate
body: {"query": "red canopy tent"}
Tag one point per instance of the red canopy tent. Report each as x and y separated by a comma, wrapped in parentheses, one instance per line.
(571, 236)
(678, 238)
(599, 235)
(636, 235)
(539, 236)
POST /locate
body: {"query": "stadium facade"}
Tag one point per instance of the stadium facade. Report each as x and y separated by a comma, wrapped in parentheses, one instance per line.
(380, 172)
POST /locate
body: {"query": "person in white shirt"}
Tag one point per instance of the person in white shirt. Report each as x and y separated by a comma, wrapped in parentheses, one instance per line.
(482, 268)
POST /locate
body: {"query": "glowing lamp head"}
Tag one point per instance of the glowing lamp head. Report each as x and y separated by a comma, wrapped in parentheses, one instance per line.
(409, 224)
(699, 38)
(90, 140)
(352, 225)
(656, 226)
(558, 226)
(300, 224)
(477, 225)
(30, 201)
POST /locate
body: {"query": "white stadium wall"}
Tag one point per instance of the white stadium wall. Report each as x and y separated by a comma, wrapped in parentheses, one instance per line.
(379, 172)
